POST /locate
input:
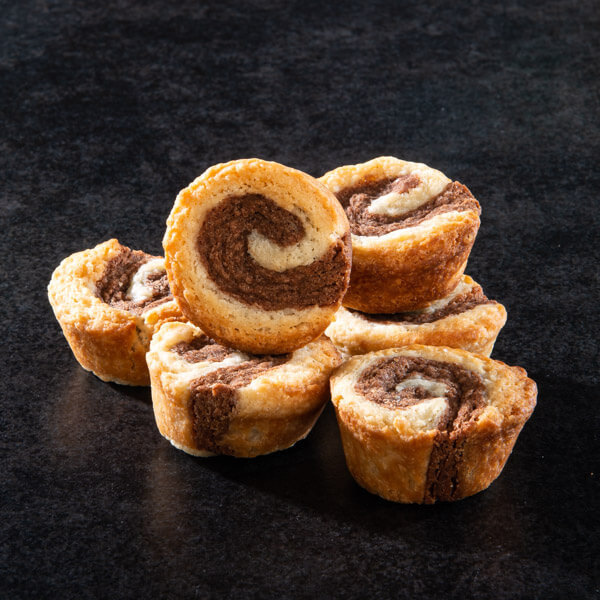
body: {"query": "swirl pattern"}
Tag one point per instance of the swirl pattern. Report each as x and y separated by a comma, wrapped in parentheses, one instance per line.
(371, 212)
(425, 424)
(454, 395)
(258, 255)
(412, 232)
(229, 246)
(109, 300)
(134, 281)
(219, 372)
(209, 399)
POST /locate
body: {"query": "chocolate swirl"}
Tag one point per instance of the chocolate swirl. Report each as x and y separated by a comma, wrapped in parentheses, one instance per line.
(464, 394)
(202, 348)
(213, 396)
(112, 287)
(357, 199)
(222, 245)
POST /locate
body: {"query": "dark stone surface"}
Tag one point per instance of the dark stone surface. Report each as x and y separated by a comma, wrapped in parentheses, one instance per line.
(109, 109)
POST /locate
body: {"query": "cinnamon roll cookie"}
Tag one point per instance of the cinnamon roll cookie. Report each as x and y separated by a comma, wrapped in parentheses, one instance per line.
(211, 399)
(108, 301)
(412, 232)
(258, 255)
(465, 319)
(425, 423)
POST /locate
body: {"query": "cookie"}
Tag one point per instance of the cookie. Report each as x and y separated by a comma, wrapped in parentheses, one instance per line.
(465, 319)
(210, 399)
(412, 233)
(258, 255)
(108, 301)
(423, 424)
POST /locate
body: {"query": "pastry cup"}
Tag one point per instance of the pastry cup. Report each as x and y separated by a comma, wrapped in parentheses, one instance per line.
(105, 339)
(426, 423)
(409, 247)
(209, 399)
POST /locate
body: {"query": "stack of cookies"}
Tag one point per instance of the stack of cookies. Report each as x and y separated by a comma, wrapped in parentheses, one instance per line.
(228, 327)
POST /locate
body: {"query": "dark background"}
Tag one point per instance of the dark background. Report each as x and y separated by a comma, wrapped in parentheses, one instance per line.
(109, 109)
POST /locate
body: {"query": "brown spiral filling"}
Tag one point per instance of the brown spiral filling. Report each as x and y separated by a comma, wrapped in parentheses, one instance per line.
(465, 399)
(357, 199)
(213, 396)
(223, 248)
(114, 283)
(202, 348)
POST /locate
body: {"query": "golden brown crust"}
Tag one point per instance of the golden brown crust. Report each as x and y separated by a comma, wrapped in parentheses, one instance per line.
(388, 450)
(225, 317)
(108, 341)
(271, 412)
(474, 330)
(408, 268)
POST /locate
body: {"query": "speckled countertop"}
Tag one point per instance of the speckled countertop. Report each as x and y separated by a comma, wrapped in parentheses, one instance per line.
(109, 109)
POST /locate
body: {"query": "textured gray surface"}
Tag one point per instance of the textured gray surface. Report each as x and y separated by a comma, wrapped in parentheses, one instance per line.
(108, 111)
